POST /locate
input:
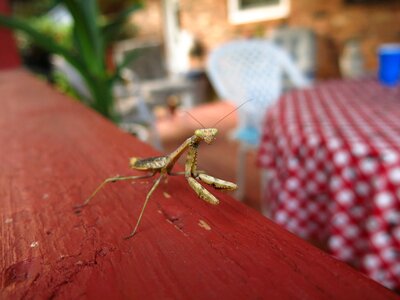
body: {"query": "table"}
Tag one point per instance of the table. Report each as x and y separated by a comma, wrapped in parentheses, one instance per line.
(333, 158)
(55, 152)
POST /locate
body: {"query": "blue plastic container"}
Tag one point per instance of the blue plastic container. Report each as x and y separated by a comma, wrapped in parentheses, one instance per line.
(389, 64)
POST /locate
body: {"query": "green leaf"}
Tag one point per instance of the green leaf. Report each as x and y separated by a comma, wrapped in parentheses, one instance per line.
(111, 28)
(43, 40)
(87, 35)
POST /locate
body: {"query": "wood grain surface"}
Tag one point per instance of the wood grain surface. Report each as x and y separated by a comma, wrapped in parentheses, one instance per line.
(54, 152)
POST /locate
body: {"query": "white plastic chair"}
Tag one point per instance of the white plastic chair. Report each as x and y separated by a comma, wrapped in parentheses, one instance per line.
(250, 69)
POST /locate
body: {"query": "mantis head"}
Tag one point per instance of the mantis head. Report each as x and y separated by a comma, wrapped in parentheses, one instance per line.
(206, 134)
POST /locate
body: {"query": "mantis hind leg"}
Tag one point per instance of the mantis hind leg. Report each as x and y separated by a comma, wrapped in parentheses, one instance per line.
(184, 173)
(153, 188)
(108, 180)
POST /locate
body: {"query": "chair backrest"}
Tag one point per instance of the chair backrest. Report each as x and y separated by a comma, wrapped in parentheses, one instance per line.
(251, 69)
(301, 44)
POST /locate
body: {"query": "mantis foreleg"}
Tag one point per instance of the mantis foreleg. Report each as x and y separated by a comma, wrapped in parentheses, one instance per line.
(216, 182)
(202, 192)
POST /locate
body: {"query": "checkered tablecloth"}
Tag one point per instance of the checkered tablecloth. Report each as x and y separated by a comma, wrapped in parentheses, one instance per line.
(333, 155)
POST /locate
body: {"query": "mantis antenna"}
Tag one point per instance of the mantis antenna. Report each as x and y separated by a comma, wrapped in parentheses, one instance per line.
(224, 117)
(194, 118)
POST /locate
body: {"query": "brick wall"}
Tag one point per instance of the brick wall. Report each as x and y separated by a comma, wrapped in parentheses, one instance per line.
(336, 23)
(333, 21)
(149, 20)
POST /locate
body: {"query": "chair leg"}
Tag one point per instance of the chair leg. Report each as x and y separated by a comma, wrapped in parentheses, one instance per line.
(155, 137)
(241, 172)
(146, 113)
(187, 100)
(263, 193)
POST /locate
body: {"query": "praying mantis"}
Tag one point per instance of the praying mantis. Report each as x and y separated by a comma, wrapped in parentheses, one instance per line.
(163, 165)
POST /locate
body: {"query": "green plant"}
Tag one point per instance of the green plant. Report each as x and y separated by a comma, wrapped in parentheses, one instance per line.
(62, 84)
(31, 8)
(90, 37)
(60, 33)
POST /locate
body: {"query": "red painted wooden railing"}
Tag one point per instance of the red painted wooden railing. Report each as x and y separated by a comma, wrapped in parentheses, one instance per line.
(9, 57)
(54, 152)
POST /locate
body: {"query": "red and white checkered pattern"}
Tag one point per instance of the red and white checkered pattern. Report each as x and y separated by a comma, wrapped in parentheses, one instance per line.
(333, 153)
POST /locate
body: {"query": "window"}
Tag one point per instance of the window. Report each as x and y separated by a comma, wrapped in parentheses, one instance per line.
(246, 11)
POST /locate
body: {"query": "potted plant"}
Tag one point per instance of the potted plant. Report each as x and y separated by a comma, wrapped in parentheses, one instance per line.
(90, 36)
